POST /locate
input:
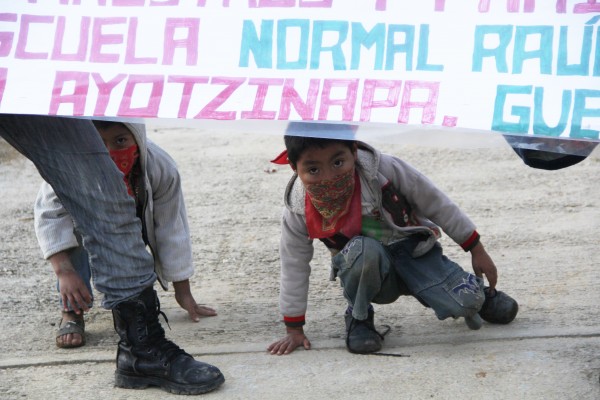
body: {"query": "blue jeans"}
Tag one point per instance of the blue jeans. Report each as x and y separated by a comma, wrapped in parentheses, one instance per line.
(70, 156)
(373, 273)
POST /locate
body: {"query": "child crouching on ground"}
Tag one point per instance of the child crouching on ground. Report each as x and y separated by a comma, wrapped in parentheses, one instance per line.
(152, 179)
(381, 220)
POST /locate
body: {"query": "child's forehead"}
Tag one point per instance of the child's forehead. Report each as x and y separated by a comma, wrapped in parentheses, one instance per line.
(115, 130)
(323, 153)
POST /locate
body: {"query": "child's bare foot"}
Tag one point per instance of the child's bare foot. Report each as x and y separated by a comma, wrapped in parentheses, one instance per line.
(71, 331)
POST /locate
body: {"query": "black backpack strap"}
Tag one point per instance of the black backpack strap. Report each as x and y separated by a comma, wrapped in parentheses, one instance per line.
(396, 204)
(337, 241)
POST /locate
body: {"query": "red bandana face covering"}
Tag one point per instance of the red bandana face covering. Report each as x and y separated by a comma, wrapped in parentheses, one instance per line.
(125, 159)
(333, 206)
(332, 196)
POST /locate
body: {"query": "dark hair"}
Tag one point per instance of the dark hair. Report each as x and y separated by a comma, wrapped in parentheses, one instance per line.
(296, 145)
(102, 124)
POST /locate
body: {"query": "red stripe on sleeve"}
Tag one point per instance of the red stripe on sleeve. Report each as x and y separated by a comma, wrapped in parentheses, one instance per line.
(293, 319)
(471, 242)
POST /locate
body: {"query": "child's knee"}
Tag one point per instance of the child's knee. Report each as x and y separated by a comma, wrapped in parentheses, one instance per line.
(360, 255)
(358, 250)
(461, 295)
(466, 294)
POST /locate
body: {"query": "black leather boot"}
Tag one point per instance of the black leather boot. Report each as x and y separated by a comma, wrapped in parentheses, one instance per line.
(362, 337)
(498, 307)
(146, 358)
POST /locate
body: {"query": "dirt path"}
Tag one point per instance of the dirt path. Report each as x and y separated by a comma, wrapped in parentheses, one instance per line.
(540, 227)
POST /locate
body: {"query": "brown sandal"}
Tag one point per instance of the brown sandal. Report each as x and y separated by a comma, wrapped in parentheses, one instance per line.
(76, 326)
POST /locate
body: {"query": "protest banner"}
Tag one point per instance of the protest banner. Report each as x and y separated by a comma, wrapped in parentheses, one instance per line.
(517, 67)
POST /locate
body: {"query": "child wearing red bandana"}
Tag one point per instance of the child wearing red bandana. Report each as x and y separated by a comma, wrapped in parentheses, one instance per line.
(381, 220)
(152, 179)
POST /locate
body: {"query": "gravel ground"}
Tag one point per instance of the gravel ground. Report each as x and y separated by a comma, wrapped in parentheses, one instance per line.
(540, 227)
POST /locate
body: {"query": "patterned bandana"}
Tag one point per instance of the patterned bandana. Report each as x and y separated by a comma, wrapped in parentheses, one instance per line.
(125, 159)
(333, 206)
(332, 196)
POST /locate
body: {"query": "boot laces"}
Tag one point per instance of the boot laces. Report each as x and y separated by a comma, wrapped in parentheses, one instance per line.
(166, 348)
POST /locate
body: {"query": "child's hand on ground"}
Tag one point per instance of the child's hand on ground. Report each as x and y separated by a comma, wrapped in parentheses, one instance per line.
(195, 310)
(483, 265)
(184, 298)
(295, 337)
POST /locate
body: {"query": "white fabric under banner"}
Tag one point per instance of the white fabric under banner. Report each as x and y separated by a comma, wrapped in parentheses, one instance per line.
(451, 71)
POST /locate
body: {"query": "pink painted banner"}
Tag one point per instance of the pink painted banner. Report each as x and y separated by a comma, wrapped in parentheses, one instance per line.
(520, 67)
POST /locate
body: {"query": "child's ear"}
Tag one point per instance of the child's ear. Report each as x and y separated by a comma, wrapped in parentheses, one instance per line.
(292, 166)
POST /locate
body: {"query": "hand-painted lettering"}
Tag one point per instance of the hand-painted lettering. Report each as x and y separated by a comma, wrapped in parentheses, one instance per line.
(150, 108)
(289, 3)
(190, 43)
(27, 21)
(77, 98)
(428, 106)
(535, 48)
(368, 99)
(210, 110)
(347, 103)
(105, 40)
(105, 89)
(59, 39)
(519, 119)
(304, 108)
(130, 56)
(100, 39)
(189, 82)
(390, 41)
(262, 87)
(6, 38)
(3, 78)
